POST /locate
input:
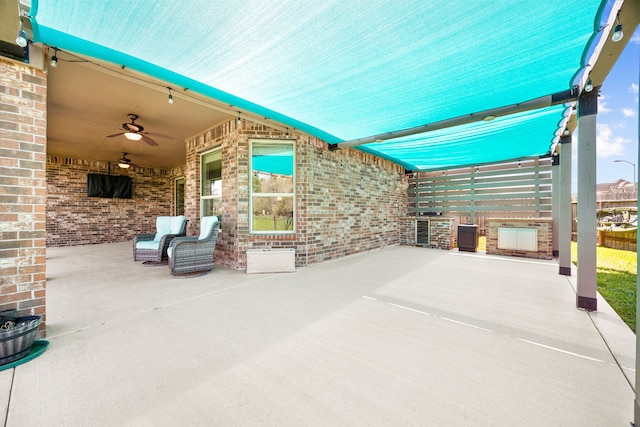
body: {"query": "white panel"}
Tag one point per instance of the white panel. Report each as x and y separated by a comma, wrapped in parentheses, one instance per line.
(507, 238)
(520, 239)
(271, 260)
(528, 239)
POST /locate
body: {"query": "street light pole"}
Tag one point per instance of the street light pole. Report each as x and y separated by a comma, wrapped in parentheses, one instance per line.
(635, 189)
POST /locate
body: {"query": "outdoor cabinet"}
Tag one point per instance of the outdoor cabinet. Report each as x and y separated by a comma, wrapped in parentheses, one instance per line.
(520, 239)
(468, 237)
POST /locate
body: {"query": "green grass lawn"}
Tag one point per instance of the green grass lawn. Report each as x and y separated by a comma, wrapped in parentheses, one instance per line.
(616, 272)
(264, 223)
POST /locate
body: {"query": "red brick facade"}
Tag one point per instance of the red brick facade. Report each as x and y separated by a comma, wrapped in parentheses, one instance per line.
(23, 190)
(75, 219)
(346, 201)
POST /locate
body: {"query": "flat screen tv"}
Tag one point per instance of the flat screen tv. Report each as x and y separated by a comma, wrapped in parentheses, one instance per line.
(108, 186)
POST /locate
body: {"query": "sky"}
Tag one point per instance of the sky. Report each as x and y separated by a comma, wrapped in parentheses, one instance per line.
(617, 119)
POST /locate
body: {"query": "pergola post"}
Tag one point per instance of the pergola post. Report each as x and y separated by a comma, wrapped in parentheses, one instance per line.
(587, 110)
(555, 199)
(636, 406)
(564, 207)
(636, 401)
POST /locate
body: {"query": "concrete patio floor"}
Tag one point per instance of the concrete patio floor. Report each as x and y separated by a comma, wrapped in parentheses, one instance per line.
(399, 336)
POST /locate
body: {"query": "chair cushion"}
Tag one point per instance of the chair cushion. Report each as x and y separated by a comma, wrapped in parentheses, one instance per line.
(148, 244)
(176, 222)
(206, 222)
(163, 226)
(168, 225)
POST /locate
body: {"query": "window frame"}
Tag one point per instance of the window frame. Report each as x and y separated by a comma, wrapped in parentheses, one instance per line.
(211, 197)
(175, 195)
(283, 141)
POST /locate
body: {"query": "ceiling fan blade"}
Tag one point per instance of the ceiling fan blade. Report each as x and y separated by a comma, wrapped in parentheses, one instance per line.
(149, 141)
(161, 135)
(115, 134)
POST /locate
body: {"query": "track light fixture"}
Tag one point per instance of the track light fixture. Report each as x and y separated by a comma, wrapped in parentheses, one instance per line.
(588, 87)
(170, 96)
(54, 59)
(21, 37)
(617, 31)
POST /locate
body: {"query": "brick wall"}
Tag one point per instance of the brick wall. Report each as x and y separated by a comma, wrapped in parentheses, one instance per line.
(220, 136)
(545, 241)
(443, 233)
(73, 218)
(346, 201)
(352, 201)
(22, 189)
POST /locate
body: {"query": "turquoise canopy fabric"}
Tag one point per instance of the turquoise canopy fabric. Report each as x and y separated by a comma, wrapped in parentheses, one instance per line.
(521, 135)
(343, 70)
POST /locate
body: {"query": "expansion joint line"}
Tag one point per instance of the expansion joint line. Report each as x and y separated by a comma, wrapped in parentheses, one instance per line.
(612, 353)
(6, 414)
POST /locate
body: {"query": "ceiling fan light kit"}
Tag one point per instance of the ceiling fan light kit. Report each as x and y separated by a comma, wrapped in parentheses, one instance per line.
(135, 132)
(124, 163)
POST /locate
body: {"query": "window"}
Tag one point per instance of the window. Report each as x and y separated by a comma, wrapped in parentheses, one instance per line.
(211, 184)
(179, 196)
(271, 188)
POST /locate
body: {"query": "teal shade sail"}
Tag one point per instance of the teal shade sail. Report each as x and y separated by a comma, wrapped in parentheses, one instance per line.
(515, 136)
(343, 70)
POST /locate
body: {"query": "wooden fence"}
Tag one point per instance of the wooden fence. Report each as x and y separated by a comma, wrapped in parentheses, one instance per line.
(520, 189)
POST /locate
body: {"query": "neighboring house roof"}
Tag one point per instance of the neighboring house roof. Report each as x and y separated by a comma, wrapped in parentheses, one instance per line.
(619, 186)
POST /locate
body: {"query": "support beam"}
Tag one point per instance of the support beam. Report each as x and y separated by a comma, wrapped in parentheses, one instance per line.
(533, 104)
(587, 110)
(555, 200)
(564, 207)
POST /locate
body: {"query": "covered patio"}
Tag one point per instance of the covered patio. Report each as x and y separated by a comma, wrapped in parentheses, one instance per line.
(360, 104)
(397, 336)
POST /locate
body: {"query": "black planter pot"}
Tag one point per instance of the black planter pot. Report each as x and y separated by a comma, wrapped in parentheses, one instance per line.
(16, 342)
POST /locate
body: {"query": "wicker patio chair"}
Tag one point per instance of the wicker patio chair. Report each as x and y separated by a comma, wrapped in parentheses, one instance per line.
(153, 247)
(189, 255)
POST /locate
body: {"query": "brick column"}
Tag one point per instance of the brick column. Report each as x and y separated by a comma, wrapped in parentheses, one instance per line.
(23, 189)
